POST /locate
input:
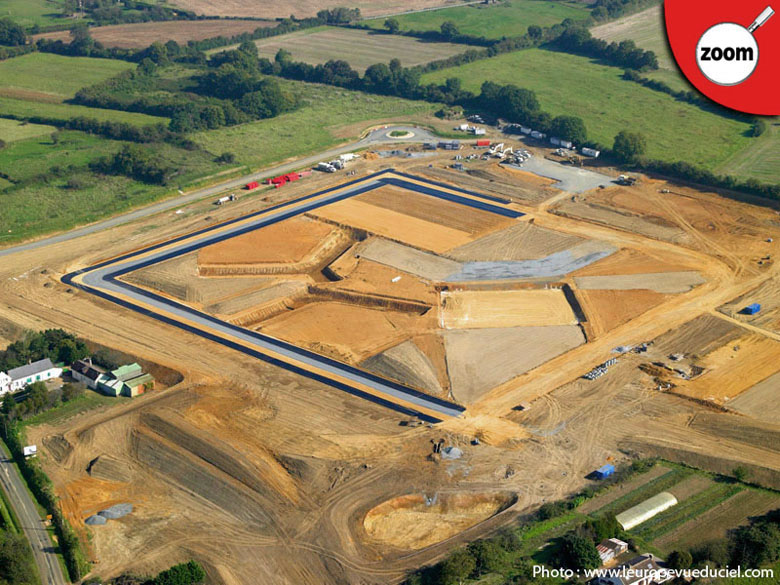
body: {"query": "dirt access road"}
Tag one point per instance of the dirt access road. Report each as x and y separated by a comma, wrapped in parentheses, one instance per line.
(32, 525)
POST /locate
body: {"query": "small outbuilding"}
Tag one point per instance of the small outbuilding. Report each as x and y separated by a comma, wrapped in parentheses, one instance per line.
(604, 471)
(752, 309)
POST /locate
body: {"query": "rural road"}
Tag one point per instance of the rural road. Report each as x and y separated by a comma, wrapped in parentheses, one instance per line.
(102, 280)
(374, 138)
(32, 525)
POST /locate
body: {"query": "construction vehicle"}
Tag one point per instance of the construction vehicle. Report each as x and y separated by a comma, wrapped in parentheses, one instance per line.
(626, 180)
(225, 199)
(326, 167)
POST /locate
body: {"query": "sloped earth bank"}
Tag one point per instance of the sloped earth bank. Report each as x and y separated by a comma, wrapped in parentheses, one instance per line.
(418, 520)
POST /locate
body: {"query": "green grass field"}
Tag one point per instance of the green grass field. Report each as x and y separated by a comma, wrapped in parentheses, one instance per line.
(56, 74)
(509, 19)
(87, 401)
(761, 160)
(31, 12)
(40, 206)
(645, 28)
(11, 130)
(568, 84)
(25, 108)
(332, 115)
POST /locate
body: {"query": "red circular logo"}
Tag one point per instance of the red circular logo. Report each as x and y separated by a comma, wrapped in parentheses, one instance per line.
(729, 51)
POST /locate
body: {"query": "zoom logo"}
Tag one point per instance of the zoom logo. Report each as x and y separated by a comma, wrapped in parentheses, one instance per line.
(727, 53)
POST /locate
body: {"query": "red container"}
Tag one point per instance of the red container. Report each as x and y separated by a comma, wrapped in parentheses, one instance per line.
(483, 142)
(252, 185)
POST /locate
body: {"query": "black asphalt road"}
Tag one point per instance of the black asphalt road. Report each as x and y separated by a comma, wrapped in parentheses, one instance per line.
(374, 138)
(102, 280)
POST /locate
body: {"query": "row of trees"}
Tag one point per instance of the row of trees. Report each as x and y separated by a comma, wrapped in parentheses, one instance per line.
(37, 398)
(611, 9)
(129, 11)
(55, 344)
(579, 40)
(43, 490)
(16, 560)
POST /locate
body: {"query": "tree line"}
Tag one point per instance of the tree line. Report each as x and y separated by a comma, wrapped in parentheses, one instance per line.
(189, 573)
(580, 41)
(55, 344)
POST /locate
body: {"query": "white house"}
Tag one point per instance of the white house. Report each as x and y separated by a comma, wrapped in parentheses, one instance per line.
(5, 383)
(20, 377)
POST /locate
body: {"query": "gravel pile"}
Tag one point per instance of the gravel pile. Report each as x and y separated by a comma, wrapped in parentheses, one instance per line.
(117, 511)
(95, 520)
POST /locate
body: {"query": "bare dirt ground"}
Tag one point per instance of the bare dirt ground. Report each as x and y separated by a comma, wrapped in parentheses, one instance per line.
(300, 8)
(414, 522)
(608, 309)
(760, 401)
(267, 476)
(505, 308)
(141, 35)
(480, 359)
(660, 282)
(287, 241)
(523, 241)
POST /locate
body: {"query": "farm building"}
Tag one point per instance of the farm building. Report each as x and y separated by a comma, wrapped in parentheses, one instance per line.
(610, 549)
(18, 378)
(128, 380)
(605, 471)
(752, 309)
(83, 371)
(646, 510)
(642, 570)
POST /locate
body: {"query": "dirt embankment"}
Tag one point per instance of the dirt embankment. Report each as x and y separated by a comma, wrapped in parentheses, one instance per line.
(418, 520)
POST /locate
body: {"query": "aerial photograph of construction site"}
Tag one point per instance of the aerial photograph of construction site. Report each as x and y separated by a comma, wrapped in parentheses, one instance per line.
(408, 293)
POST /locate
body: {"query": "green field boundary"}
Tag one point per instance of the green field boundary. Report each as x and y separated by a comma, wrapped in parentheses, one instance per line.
(687, 510)
(643, 492)
(86, 402)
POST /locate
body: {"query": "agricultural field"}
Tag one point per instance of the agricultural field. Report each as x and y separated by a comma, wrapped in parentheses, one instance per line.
(329, 116)
(27, 108)
(56, 75)
(609, 104)
(708, 506)
(141, 35)
(358, 47)
(89, 195)
(506, 19)
(33, 12)
(12, 130)
(646, 29)
(759, 159)
(300, 8)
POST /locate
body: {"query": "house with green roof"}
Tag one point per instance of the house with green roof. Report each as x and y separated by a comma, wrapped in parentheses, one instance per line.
(128, 380)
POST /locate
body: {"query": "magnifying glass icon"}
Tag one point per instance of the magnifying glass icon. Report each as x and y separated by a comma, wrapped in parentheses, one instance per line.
(727, 53)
